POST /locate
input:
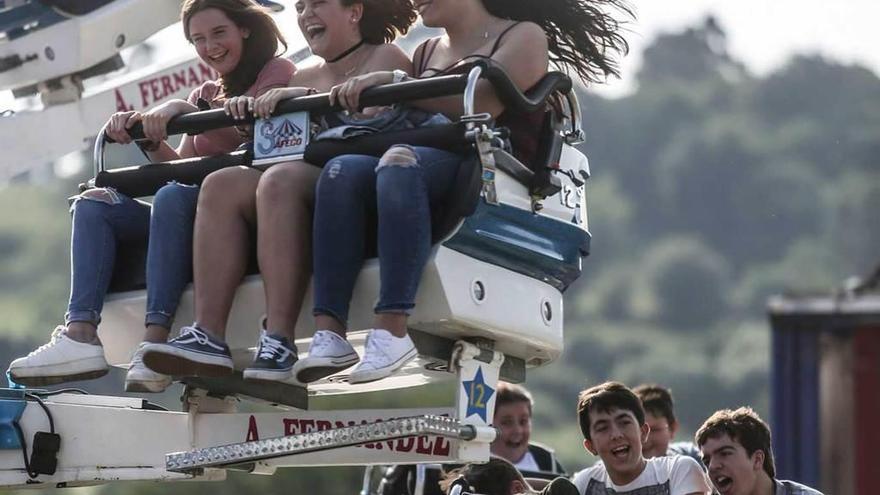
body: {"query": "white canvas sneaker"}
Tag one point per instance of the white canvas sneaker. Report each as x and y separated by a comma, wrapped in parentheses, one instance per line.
(142, 379)
(329, 353)
(61, 360)
(383, 354)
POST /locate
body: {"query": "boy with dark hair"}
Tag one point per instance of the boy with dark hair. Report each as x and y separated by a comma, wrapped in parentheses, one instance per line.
(612, 421)
(660, 417)
(736, 447)
(513, 418)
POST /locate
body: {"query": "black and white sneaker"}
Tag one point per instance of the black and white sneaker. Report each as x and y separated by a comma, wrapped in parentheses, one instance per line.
(193, 353)
(274, 360)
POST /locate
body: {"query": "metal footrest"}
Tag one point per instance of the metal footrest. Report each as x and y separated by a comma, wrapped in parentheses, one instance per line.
(271, 392)
(195, 461)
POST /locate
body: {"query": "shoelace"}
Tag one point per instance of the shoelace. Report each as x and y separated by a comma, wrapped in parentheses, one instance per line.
(321, 341)
(197, 335)
(377, 347)
(56, 336)
(271, 348)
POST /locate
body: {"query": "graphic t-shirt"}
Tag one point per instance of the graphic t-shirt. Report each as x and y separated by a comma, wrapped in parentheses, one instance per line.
(669, 475)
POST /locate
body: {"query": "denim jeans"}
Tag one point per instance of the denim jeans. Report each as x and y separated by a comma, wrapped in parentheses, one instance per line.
(102, 220)
(352, 190)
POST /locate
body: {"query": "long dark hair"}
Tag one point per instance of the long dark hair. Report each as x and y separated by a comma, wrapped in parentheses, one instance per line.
(383, 20)
(581, 34)
(260, 46)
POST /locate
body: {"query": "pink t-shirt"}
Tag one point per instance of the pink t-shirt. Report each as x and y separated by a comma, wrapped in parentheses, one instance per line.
(275, 74)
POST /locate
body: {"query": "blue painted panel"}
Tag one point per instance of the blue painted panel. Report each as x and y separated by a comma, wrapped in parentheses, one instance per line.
(12, 405)
(530, 244)
(795, 405)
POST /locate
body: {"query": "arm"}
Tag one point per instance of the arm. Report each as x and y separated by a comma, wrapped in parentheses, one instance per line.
(155, 129)
(387, 59)
(523, 54)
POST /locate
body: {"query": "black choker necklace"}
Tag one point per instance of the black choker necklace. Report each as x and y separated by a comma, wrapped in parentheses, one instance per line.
(346, 52)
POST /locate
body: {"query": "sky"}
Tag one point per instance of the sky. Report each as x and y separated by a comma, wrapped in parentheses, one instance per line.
(761, 33)
(765, 33)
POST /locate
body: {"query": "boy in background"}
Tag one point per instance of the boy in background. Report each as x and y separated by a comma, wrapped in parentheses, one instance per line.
(736, 447)
(612, 421)
(660, 417)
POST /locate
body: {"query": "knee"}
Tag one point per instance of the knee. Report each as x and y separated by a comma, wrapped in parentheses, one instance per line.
(347, 174)
(399, 155)
(176, 196)
(286, 182)
(94, 203)
(225, 187)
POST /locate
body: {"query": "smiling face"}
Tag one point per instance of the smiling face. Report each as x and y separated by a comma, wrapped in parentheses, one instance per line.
(329, 27)
(514, 419)
(660, 436)
(616, 437)
(732, 470)
(219, 42)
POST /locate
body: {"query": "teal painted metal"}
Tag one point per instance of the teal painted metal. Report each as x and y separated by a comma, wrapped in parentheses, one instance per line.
(533, 245)
(12, 405)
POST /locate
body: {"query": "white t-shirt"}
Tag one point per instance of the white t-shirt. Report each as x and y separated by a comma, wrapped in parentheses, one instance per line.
(527, 463)
(670, 475)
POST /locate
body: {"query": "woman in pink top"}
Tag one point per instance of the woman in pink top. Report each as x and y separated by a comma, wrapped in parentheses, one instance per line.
(239, 41)
(351, 37)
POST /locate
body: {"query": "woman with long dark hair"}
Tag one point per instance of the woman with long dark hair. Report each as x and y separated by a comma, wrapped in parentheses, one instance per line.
(351, 37)
(238, 40)
(403, 186)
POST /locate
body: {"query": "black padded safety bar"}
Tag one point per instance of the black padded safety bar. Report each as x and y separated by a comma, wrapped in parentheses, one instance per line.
(387, 94)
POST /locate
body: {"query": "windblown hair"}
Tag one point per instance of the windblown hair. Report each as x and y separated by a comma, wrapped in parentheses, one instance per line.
(657, 401)
(384, 20)
(260, 46)
(744, 426)
(581, 35)
(604, 398)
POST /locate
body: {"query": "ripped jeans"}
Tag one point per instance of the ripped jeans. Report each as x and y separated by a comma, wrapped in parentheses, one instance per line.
(398, 192)
(103, 219)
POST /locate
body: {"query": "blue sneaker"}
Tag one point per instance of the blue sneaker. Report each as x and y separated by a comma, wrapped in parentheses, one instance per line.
(274, 360)
(193, 353)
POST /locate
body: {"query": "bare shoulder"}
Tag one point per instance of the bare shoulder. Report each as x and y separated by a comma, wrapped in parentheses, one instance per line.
(388, 56)
(307, 72)
(526, 33)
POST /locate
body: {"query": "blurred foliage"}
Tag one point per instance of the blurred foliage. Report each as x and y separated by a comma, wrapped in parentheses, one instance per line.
(713, 189)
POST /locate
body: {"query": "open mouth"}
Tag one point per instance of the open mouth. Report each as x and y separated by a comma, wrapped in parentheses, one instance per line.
(620, 453)
(722, 483)
(219, 58)
(314, 31)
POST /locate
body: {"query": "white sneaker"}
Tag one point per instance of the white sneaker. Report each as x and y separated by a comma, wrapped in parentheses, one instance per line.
(383, 354)
(142, 379)
(329, 353)
(62, 359)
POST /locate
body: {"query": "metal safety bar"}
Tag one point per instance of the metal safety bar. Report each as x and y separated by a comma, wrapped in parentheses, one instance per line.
(246, 452)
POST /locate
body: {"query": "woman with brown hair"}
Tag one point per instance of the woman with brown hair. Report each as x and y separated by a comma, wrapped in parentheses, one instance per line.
(351, 37)
(239, 41)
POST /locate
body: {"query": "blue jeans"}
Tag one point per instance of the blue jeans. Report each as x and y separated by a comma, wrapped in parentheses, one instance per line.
(352, 191)
(102, 220)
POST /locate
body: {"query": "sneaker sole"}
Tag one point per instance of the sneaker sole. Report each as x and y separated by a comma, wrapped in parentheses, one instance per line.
(40, 381)
(323, 369)
(175, 362)
(146, 387)
(264, 375)
(373, 375)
